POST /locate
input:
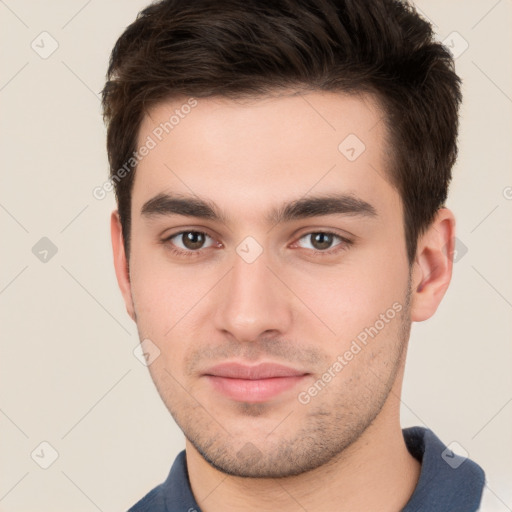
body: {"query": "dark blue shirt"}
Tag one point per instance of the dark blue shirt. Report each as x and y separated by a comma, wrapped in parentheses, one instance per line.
(447, 483)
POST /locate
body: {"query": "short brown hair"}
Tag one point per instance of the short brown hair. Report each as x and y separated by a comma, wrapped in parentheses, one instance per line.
(237, 48)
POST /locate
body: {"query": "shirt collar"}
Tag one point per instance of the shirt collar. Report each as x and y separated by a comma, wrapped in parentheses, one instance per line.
(447, 482)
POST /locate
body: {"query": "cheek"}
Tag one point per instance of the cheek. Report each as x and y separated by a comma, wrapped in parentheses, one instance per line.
(348, 298)
(164, 297)
(168, 297)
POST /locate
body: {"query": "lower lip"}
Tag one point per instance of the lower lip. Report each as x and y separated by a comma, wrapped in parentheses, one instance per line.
(258, 390)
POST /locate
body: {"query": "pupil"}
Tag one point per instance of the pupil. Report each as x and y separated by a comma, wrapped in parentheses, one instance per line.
(193, 240)
(322, 240)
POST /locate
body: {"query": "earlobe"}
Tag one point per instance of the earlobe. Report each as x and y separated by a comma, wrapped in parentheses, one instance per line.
(121, 263)
(433, 266)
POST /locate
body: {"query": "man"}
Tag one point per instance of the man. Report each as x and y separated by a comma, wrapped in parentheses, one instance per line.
(281, 169)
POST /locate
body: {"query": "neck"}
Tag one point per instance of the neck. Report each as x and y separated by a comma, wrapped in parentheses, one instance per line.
(376, 472)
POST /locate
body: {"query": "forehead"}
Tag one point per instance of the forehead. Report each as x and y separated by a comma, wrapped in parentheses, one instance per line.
(260, 151)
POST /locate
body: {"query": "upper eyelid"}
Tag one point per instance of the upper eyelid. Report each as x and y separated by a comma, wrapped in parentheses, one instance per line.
(342, 239)
(183, 231)
(173, 235)
(325, 232)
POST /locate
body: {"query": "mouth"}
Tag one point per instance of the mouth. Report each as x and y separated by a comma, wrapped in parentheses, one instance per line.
(255, 384)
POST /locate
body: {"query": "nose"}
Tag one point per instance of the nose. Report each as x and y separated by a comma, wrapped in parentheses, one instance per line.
(253, 302)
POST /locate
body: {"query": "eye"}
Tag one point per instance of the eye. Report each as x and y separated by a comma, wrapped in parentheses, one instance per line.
(323, 241)
(189, 241)
(192, 242)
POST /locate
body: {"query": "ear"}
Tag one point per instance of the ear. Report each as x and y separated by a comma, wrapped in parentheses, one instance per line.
(121, 263)
(433, 266)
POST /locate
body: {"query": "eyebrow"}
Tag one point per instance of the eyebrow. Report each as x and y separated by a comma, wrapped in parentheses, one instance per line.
(306, 207)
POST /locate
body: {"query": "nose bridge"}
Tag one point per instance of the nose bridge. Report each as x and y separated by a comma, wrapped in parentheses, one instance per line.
(252, 300)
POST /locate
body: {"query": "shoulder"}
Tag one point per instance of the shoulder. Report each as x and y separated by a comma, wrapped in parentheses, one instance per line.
(173, 495)
(154, 501)
(449, 481)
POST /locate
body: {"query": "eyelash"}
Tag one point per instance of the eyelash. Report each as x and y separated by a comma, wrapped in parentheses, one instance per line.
(344, 244)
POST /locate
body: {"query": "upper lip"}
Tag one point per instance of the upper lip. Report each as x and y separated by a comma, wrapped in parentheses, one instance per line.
(260, 371)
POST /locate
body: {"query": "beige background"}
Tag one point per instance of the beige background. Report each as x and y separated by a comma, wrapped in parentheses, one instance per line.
(68, 375)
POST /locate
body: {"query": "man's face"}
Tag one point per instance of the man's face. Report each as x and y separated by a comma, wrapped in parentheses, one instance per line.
(270, 279)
